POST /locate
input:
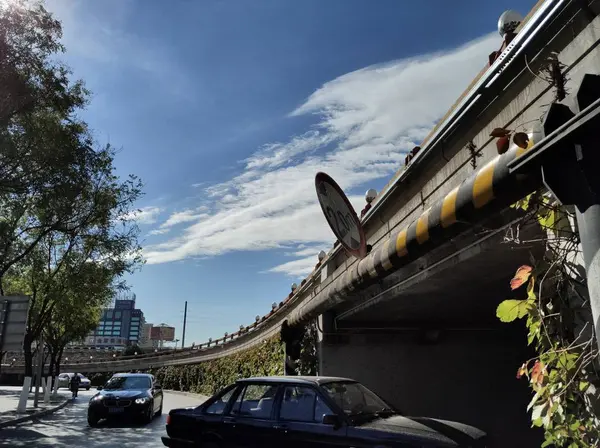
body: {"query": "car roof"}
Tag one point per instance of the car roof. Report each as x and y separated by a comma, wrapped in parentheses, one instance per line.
(314, 380)
(144, 375)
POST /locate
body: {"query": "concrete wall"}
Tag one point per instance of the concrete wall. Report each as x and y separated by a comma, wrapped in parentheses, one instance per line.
(467, 376)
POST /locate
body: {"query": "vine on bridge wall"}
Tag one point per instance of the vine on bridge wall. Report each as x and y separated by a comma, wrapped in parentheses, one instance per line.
(554, 305)
(208, 377)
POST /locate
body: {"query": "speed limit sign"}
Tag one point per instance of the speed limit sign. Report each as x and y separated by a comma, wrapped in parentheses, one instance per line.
(341, 215)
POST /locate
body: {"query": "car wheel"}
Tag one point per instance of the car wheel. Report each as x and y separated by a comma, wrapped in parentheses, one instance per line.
(150, 414)
(87, 388)
(92, 420)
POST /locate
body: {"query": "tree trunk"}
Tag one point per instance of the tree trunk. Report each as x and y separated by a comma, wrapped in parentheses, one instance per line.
(58, 360)
(28, 355)
(52, 365)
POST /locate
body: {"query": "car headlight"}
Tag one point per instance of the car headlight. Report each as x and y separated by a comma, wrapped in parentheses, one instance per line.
(141, 400)
(96, 398)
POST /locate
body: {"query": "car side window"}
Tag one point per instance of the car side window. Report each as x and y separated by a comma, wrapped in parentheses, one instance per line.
(219, 405)
(255, 401)
(302, 404)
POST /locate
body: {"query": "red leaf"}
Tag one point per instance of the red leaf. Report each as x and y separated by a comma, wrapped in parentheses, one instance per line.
(521, 276)
(521, 140)
(502, 144)
(499, 132)
(537, 373)
(522, 371)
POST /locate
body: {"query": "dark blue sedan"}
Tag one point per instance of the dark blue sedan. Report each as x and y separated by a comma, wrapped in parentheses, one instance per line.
(308, 412)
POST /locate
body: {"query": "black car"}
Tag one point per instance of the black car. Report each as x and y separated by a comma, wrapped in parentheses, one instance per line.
(126, 395)
(308, 412)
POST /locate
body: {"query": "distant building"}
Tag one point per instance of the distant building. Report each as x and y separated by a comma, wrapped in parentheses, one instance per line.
(145, 340)
(119, 326)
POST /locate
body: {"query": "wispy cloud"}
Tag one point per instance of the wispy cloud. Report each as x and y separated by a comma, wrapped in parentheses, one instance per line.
(183, 217)
(144, 215)
(366, 121)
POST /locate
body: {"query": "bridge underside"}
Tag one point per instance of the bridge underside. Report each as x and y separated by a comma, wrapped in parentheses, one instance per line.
(427, 337)
(463, 289)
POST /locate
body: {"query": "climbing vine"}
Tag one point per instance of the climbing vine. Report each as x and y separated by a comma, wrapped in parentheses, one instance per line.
(308, 363)
(551, 298)
(209, 377)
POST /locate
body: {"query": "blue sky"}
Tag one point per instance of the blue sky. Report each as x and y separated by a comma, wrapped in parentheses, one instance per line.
(227, 108)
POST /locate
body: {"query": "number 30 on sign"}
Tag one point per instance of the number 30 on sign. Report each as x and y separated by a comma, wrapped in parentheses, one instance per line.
(340, 215)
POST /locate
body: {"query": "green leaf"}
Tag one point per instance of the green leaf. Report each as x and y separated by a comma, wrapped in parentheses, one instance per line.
(534, 331)
(512, 309)
(533, 401)
(567, 360)
(583, 385)
(547, 220)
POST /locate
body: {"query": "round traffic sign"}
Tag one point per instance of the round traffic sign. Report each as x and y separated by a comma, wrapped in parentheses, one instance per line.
(341, 215)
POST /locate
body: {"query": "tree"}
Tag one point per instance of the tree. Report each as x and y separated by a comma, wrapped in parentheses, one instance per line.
(51, 177)
(77, 311)
(132, 350)
(63, 210)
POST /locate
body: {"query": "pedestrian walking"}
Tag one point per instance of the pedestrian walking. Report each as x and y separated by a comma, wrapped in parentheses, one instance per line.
(75, 381)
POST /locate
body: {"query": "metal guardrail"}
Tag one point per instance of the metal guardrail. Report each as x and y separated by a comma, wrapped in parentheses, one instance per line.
(483, 93)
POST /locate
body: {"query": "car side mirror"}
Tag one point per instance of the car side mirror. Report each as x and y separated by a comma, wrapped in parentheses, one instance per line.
(331, 420)
(157, 386)
(99, 388)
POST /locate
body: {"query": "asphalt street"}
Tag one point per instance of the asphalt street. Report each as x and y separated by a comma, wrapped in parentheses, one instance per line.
(69, 428)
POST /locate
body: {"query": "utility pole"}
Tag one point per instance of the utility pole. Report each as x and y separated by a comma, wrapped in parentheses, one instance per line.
(184, 322)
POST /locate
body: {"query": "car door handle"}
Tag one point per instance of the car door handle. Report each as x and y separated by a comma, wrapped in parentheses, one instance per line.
(229, 421)
(281, 427)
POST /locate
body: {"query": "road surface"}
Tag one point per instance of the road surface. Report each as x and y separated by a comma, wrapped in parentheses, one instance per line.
(69, 428)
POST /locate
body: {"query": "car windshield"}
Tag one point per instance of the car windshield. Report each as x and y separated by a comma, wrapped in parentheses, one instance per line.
(356, 400)
(127, 382)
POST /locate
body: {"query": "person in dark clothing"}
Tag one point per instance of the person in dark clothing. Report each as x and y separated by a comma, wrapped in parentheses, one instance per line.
(75, 381)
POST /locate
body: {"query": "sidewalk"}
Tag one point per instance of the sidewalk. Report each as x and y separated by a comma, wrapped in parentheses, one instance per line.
(9, 399)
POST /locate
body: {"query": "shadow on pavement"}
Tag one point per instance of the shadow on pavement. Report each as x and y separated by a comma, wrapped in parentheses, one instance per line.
(69, 428)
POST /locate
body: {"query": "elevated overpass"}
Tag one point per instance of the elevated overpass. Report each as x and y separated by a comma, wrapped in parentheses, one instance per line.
(415, 319)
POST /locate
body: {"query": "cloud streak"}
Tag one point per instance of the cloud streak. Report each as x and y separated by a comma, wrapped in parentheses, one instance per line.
(144, 215)
(366, 121)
